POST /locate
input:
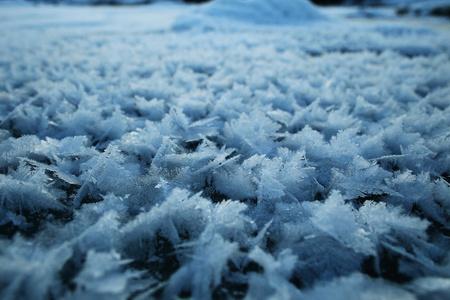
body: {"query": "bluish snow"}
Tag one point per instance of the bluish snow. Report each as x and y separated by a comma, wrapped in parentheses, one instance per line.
(260, 150)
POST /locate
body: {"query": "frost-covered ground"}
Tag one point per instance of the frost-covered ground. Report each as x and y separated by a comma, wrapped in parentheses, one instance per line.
(261, 149)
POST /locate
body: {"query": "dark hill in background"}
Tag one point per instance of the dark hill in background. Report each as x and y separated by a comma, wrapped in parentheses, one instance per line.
(111, 2)
(127, 2)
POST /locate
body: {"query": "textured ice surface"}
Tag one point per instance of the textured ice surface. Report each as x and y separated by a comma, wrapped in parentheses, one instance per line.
(159, 152)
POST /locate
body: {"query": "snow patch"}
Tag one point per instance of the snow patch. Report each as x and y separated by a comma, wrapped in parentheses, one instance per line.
(260, 12)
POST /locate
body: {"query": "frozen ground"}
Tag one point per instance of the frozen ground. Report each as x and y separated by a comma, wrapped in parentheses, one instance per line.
(266, 150)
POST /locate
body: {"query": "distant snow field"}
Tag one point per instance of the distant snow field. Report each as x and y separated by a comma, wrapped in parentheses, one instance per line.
(254, 149)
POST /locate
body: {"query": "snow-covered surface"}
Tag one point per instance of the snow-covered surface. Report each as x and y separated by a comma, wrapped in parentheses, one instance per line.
(234, 14)
(263, 12)
(169, 150)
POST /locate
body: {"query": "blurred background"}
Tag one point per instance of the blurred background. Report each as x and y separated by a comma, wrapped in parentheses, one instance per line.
(403, 7)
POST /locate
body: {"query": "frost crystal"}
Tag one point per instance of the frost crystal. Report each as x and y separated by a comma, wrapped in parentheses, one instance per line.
(236, 149)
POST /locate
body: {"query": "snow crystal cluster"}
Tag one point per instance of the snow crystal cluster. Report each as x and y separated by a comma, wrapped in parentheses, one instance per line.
(264, 160)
